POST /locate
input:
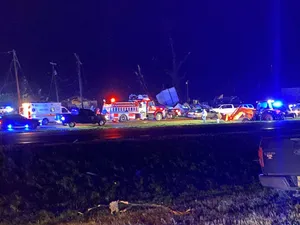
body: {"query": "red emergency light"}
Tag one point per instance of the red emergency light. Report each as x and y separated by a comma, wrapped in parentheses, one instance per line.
(112, 100)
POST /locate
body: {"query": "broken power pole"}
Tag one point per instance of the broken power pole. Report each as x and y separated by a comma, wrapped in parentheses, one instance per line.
(79, 77)
(54, 76)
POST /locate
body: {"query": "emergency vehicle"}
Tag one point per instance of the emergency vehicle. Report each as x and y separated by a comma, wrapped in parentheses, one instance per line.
(44, 112)
(138, 107)
(6, 110)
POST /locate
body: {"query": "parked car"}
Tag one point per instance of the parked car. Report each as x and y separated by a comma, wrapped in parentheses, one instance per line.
(248, 106)
(197, 114)
(84, 116)
(16, 121)
(225, 109)
(6, 110)
(289, 111)
(173, 113)
(279, 158)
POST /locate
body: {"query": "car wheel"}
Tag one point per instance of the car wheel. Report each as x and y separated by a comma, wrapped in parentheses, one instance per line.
(123, 118)
(245, 119)
(268, 117)
(158, 116)
(45, 121)
(72, 124)
(101, 122)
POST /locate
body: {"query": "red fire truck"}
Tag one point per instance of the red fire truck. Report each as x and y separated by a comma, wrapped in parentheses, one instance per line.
(139, 107)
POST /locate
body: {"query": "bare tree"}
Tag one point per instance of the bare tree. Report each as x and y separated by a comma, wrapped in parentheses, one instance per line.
(174, 73)
(141, 79)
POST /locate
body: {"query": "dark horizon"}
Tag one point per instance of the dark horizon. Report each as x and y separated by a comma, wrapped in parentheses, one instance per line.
(235, 47)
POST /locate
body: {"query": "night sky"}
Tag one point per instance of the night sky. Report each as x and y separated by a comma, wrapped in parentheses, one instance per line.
(237, 47)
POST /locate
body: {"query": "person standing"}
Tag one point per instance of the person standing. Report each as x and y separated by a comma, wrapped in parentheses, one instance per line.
(218, 117)
(204, 115)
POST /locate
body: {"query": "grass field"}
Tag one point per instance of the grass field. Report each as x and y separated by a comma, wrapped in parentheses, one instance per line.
(128, 124)
(178, 122)
(168, 122)
(215, 177)
(163, 123)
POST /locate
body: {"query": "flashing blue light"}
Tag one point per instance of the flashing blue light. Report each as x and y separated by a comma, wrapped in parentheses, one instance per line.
(9, 109)
(277, 104)
(9, 126)
(62, 118)
(26, 126)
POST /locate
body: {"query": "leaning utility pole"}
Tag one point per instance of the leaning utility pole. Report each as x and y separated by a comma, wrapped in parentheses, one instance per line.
(187, 91)
(79, 77)
(54, 75)
(15, 61)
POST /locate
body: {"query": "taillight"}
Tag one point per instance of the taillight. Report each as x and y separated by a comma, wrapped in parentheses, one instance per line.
(261, 157)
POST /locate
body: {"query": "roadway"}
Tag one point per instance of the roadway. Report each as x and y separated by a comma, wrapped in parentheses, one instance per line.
(68, 135)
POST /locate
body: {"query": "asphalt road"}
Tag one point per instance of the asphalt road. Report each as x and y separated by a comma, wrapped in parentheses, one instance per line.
(67, 136)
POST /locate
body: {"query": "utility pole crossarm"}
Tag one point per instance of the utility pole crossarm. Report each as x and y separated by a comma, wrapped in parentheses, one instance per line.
(79, 63)
(77, 58)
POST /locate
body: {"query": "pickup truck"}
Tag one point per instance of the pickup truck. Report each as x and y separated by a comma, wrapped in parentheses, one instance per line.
(279, 159)
(224, 109)
(84, 116)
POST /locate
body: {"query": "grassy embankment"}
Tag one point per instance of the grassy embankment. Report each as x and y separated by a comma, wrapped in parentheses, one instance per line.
(142, 124)
(164, 123)
(214, 177)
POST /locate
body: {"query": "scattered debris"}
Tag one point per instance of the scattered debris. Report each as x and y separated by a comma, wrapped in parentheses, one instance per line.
(90, 173)
(114, 207)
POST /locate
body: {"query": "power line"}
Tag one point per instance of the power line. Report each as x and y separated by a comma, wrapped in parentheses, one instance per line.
(3, 53)
(8, 75)
(15, 59)
(50, 87)
(25, 81)
(16, 67)
(79, 63)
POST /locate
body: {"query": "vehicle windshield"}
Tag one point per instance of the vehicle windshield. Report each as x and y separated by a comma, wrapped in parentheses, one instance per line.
(151, 103)
(198, 110)
(263, 105)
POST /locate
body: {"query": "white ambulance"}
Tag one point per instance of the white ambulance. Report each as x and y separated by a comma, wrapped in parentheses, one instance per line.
(44, 112)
